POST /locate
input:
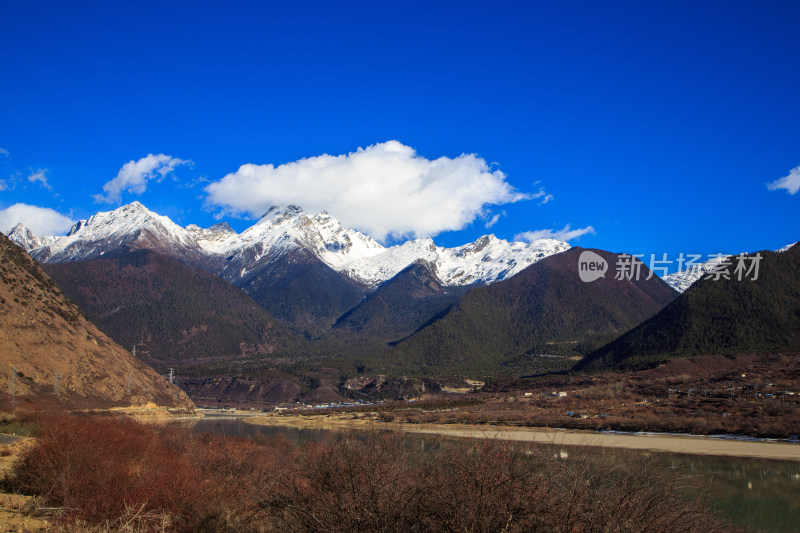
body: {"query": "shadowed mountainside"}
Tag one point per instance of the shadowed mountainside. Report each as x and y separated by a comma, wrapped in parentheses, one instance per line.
(170, 311)
(303, 291)
(724, 316)
(545, 309)
(400, 306)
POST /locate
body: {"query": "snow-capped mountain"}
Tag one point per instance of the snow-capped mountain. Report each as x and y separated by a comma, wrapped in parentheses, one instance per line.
(363, 259)
(27, 239)
(680, 281)
(207, 238)
(281, 230)
(486, 260)
(132, 226)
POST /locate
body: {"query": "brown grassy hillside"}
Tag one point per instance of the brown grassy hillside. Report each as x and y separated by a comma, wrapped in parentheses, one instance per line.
(48, 349)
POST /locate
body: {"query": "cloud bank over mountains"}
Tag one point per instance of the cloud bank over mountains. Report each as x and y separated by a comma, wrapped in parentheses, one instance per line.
(386, 190)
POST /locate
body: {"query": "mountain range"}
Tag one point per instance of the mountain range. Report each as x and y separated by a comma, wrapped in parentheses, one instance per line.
(306, 270)
(285, 230)
(544, 311)
(282, 230)
(293, 288)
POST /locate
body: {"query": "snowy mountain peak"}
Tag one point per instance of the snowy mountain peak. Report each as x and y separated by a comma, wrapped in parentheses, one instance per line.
(282, 212)
(284, 228)
(27, 239)
(213, 238)
(75, 227)
(221, 228)
(129, 226)
(124, 219)
(486, 260)
(478, 245)
(20, 229)
(280, 230)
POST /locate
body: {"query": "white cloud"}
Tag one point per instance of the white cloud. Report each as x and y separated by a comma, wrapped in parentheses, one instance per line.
(4, 152)
(134, 175)
(791, 182)
(40, 220)
(385, 190)
(492, 221)
(39, 176)
(565, 234)
(542, 196)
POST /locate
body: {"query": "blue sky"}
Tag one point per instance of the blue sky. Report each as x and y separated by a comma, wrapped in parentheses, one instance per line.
(657, 124)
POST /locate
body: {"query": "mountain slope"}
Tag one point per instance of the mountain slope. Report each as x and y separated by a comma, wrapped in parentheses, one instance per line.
(400, 306)
(301, 290)
(683, 279)
(716, 317)
(55, 352)
(546, 308)
(171, 312)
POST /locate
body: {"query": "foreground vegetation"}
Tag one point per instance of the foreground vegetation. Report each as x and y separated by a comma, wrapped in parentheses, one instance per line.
(102, 472)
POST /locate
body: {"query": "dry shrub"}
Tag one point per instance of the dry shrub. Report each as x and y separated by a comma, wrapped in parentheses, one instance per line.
(100, 469)
(116, 474)
(384, 482)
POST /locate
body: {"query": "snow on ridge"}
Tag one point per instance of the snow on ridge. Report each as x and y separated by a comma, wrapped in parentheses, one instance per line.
(27, 239)
(680, 281)
(123, 225)
(285, 228)
(485, 260)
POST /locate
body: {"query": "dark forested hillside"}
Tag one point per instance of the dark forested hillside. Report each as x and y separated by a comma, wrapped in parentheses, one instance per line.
(303, 291)
(545, 309)
(170, 311)
(400, 306)
(717, 317)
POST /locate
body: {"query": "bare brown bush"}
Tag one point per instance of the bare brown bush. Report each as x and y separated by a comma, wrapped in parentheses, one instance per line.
(116, 474)
(383, 482)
